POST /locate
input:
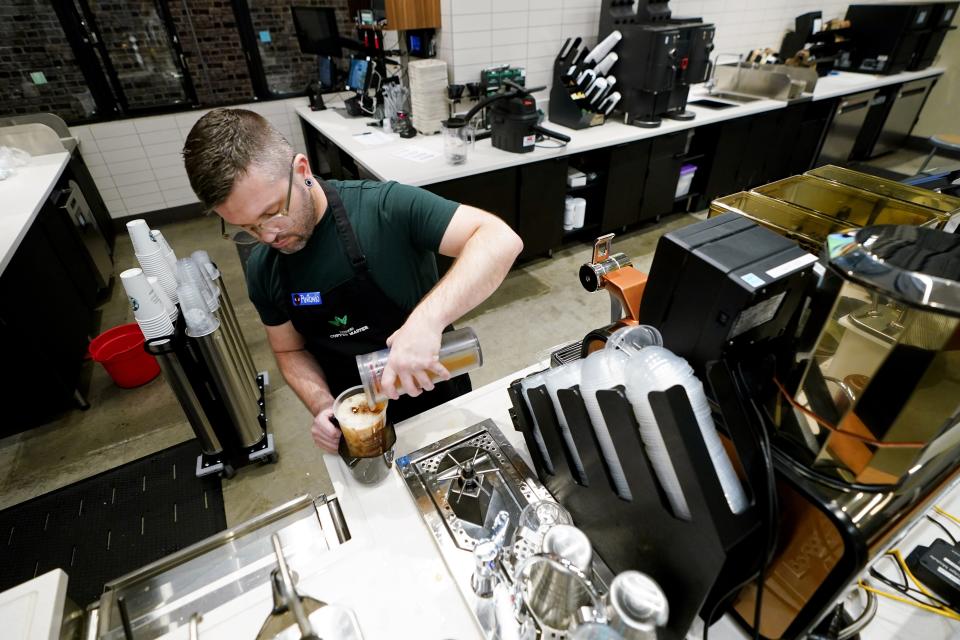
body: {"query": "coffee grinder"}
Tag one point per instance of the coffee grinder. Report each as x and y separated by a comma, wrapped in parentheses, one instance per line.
(659, 58)
(868, 439)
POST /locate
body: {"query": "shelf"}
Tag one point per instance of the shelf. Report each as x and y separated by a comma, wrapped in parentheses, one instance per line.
(692, 194)
(587, 228)
(584, 187)
(691, 158)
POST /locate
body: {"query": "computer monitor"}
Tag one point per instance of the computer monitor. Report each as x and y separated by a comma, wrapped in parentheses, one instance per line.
(317, 30)
(326, 73)
(358, 78)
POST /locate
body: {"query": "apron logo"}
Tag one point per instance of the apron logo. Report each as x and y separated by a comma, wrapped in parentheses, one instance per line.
(339, 321)
(306, 298)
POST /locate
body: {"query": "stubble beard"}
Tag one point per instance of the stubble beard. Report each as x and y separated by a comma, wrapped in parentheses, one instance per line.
(305, 221)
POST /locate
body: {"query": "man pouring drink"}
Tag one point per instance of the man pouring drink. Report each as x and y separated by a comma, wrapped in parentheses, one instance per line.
(345, 268)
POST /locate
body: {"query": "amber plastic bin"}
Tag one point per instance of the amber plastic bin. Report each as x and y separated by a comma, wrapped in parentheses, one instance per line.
(849, 205)
(807, 228)
(896, 190)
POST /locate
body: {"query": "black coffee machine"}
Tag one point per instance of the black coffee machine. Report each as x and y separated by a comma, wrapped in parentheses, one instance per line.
(659, 58)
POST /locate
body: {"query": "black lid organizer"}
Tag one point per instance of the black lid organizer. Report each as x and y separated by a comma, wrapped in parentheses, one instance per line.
(695, 561)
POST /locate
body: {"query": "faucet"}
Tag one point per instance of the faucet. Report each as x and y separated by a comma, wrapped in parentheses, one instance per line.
(711, 83)
(486, 557)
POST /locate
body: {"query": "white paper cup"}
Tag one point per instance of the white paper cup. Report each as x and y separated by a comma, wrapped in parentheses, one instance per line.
(165, 248)
(157, 327)
(144, 300)
(140, 236)
(164, 298)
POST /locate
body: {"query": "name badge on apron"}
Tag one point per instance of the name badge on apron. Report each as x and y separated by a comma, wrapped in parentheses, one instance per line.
(305, 299)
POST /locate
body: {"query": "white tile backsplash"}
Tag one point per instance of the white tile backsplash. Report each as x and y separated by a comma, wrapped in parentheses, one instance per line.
(112, 129)
(542, 25)
(141, 189)
(120, 142)
(511, 21)
(136, 177)
(123, 155)
(173, 159)
(128, 166)
(170, 172)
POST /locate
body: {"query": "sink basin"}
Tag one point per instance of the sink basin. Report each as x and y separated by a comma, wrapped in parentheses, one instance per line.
(735, 97)
(712, 104)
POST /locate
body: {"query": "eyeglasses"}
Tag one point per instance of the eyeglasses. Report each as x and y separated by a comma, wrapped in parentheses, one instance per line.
(276, 224)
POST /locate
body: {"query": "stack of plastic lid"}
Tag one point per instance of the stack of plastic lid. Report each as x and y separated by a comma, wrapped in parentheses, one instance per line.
(148, 307)
(152, 257)
(428, 94)
(189, 272)
(604, 369)
(528, 383)
(658, 369)
(556, 379)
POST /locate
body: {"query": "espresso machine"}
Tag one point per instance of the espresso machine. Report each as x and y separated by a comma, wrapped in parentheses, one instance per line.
(659, 58)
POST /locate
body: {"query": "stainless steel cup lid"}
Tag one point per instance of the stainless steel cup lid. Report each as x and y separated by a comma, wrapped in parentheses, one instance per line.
(570, 543)
(636, 598)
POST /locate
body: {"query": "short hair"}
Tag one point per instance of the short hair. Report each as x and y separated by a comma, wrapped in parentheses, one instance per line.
(224, 144)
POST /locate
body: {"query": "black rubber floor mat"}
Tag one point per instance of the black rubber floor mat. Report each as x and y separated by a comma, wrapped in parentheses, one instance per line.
(106, 526)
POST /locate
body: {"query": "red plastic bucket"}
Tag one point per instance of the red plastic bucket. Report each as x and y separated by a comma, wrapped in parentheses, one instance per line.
(120, 351)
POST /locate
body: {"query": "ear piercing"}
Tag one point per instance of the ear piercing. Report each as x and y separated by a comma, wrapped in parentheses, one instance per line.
(308, 182)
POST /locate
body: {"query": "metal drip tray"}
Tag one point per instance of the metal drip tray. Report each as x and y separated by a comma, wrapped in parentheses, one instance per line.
(460, 483)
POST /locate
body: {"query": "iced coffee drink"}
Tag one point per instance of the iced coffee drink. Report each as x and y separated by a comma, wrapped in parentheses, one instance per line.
(364, 429)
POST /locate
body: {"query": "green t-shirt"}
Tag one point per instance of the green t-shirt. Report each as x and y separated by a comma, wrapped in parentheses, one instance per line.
(399, 229)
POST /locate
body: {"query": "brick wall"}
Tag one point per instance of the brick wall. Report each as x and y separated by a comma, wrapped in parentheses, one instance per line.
(139, 48)
(31, 40)
(222, 76)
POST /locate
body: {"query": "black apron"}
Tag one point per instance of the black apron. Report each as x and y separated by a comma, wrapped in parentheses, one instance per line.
(354, 318)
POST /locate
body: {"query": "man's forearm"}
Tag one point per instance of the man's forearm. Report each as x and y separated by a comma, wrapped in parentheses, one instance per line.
(304, 375)
(482, 265)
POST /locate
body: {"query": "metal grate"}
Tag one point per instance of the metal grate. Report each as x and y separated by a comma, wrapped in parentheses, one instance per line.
(105, 526)
(565, 355)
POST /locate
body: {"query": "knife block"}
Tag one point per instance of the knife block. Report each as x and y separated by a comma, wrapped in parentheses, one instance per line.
(562, 109)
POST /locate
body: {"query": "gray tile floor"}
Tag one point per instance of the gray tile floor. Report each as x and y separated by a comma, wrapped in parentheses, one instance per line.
(540, 305)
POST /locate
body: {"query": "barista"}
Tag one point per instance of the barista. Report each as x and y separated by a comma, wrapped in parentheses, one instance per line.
(346, 267)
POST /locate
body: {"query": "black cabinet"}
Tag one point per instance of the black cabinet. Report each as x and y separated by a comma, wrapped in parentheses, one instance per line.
(45, 320)
(626, 178)
(493, 191)
(663, 172)
(540, 201)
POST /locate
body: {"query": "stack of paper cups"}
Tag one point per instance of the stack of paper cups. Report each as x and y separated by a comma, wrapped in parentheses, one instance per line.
(150, 256)
(574, 213)
(147, 306)
(165, 248)
(164, 298)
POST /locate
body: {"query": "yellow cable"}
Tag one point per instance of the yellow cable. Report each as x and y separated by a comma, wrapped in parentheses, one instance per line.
(885, 594)
(906, 569)
(953, 518)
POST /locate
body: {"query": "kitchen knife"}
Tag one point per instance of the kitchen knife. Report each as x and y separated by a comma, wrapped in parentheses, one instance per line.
(611, 80)
(586, 77)
(564, 50)
(606, 64)
(605, 47)
(609, 103)
(595, 90)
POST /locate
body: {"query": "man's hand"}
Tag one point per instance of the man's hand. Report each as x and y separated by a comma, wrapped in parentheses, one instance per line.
(324, 433)
(414, 355)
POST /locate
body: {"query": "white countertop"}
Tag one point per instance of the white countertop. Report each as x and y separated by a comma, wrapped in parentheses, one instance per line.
(21, 198)
(843, 83)
(391, 572)
(380, 160)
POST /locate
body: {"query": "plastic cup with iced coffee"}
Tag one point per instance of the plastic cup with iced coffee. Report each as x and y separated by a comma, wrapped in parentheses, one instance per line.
(364, 428)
